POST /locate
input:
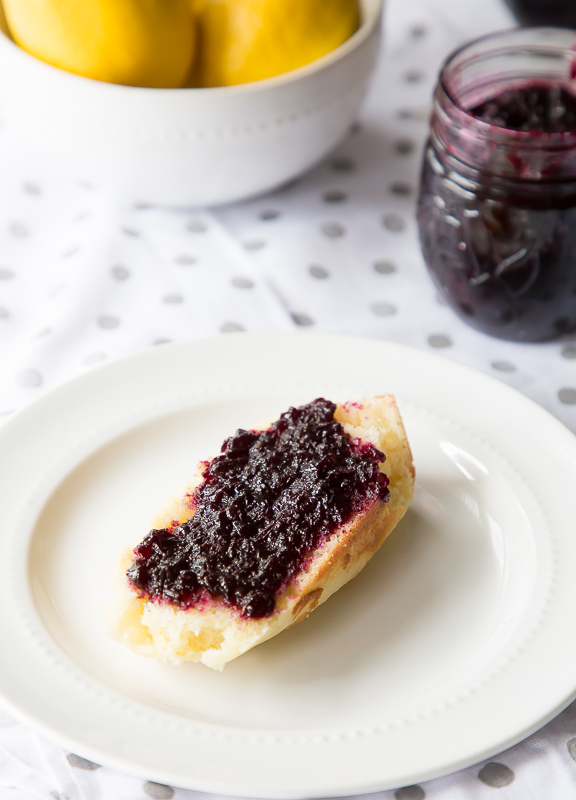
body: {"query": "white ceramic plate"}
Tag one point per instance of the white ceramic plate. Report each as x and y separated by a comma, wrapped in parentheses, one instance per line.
(456, 641)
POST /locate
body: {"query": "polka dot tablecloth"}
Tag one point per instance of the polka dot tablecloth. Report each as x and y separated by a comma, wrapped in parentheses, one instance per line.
(86, 278)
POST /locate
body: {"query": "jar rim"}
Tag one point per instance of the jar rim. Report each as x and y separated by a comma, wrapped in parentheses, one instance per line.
(451, 62)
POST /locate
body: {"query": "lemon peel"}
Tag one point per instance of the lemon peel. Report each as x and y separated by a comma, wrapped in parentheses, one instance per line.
(240, 41)
(133, 42)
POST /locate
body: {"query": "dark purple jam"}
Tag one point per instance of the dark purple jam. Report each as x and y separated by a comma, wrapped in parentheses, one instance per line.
(559, 13)
(265, 504)
(497, 216)
(537, 107)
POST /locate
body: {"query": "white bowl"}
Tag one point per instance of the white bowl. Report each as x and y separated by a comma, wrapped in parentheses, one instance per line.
(194, 147)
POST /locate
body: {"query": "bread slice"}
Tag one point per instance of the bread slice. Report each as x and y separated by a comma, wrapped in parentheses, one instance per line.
(215, 633)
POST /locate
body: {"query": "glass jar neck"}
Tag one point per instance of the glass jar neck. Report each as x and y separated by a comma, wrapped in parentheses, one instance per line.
(483, 70)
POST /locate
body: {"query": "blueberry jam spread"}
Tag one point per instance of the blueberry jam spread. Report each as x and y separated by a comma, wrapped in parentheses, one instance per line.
(536, 107)
(265, 504)
(559, 13)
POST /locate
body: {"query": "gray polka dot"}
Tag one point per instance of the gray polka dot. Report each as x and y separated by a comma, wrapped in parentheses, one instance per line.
(400, 188)
(81, 763)
(18, 229)
(142, 206)
(242, 283)
(29, 378)
(131, 232)
(343, 164)
(355, 128)
(94, 358)
(32, 188)
(335, 196)
(413, 113)
(6, 274)
(269, 214)
(393, 222)
(158, 791)
(4, 313)
(569, 350)
(302, 319)
(384, 267)
(56, 290)
(404, 147)
(537, 744)
(410, 793)
(256, 244)
(413, 76)
(120, 273)
(43, 332)
(161, 340)
(196, 226)
(231, 327)
(173, 299)
(71, 251)
(383, 309)
(108, 322)
(418, 31)
(185, 260)
(503, 366)
(567, 396)
(333, 230)
(571, 745)
(318, 272)
(496, 775)
(439, 340)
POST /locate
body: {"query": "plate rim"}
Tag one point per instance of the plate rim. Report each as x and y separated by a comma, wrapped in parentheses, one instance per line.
(63, 391)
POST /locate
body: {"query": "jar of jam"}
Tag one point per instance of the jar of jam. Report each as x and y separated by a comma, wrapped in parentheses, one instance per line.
(497, 203)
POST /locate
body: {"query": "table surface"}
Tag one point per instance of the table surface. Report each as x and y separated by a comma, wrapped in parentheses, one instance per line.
(86, 277)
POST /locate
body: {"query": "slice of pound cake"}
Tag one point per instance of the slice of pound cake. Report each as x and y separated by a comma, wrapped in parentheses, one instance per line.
(265, 532)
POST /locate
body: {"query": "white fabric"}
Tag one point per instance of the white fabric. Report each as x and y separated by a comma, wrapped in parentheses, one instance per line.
(84, 279)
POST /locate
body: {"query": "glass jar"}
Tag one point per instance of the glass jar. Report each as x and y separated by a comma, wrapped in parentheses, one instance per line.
(497, 206)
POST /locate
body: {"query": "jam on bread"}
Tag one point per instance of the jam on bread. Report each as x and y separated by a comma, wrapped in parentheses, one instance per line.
(267, 531)
(265, 503)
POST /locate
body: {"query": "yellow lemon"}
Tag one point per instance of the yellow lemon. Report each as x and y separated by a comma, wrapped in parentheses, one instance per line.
(248, 40)
(134, 42)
